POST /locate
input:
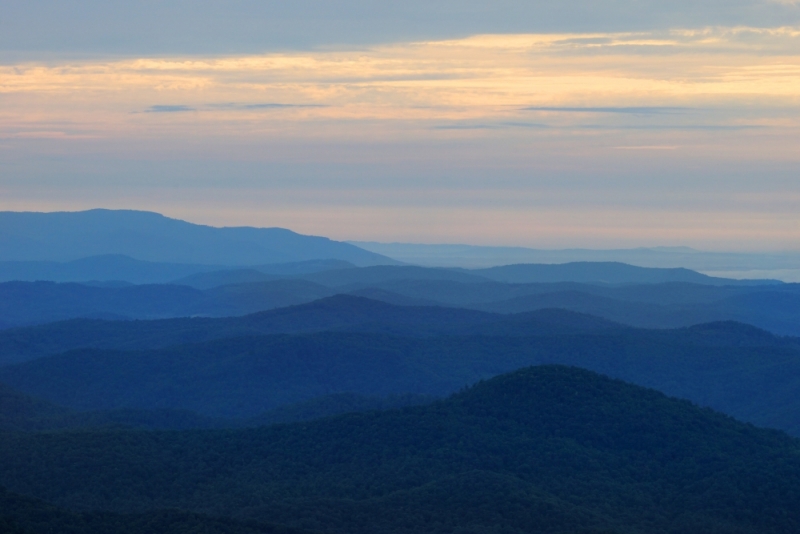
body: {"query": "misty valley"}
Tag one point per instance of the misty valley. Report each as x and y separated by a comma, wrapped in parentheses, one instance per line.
(158, 376)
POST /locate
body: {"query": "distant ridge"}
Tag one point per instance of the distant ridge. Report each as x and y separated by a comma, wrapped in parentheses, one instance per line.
(118, 267)
(470, 256)
(262, 273)
(339, 312)
(106, 267)
(68, 236)
(602, 273)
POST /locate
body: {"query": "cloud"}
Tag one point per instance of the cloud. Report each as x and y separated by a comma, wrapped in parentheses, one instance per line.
(674, 127)
(169, 109)
(264, 105)
(426, 116)
(491, 126)
(279, 106)
(620, 74)
(688, 80)
(625, 110)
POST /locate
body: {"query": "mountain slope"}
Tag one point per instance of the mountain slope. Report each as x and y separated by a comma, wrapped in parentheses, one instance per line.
(736, 369)
(106, 267)
(42, 302)
(774, 308)
(671, 257)
(384, 273)
(23, 515)
(340, 312)
(599, 273)
(116, 267)
(23, 413)
(675, 304)
(67, 236)
(542, 450)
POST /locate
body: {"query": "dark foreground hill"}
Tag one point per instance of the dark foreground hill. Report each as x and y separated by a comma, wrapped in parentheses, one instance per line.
(542, 450)
(23, 515)
(736, 369)
(23, 413)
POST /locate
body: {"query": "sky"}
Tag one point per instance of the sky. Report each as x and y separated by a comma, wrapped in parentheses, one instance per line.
(597, 124)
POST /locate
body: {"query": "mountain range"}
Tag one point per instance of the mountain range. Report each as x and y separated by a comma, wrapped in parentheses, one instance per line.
(160, 376)
(547, 449)
(240, 368)
(774, 307)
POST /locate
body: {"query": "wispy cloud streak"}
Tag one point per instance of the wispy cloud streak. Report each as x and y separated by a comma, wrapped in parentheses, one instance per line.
(625, 110)
(168, 109)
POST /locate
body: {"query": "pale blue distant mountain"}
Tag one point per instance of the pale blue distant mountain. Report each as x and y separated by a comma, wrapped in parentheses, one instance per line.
(601, 273)
(69, 236)
(784, 265)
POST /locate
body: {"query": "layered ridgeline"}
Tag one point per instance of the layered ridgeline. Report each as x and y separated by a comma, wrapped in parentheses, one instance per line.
(739, 263)
(660, 303)
(241, 367)
(146, 247)
(70, 236)
(120, 270)
(206, 271)
(542, 450)
(341, 312)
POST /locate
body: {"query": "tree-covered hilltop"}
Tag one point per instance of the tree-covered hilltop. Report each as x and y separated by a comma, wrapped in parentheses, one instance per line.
(23, 515)
(23, 413)
(546, 449)
(733, 368)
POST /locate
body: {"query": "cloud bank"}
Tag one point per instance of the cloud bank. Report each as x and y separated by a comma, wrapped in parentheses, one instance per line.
(664, 136)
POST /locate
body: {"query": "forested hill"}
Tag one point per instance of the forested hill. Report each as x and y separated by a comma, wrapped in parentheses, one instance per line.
(23, 515)
(340, 312)
(734, 368)
(541, 450)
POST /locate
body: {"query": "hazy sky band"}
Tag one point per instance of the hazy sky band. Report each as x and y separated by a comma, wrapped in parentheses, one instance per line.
(693, 124)
(48, 28)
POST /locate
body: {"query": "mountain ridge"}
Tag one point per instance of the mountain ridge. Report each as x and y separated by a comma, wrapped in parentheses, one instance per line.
(731, 367)
(149, 236)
